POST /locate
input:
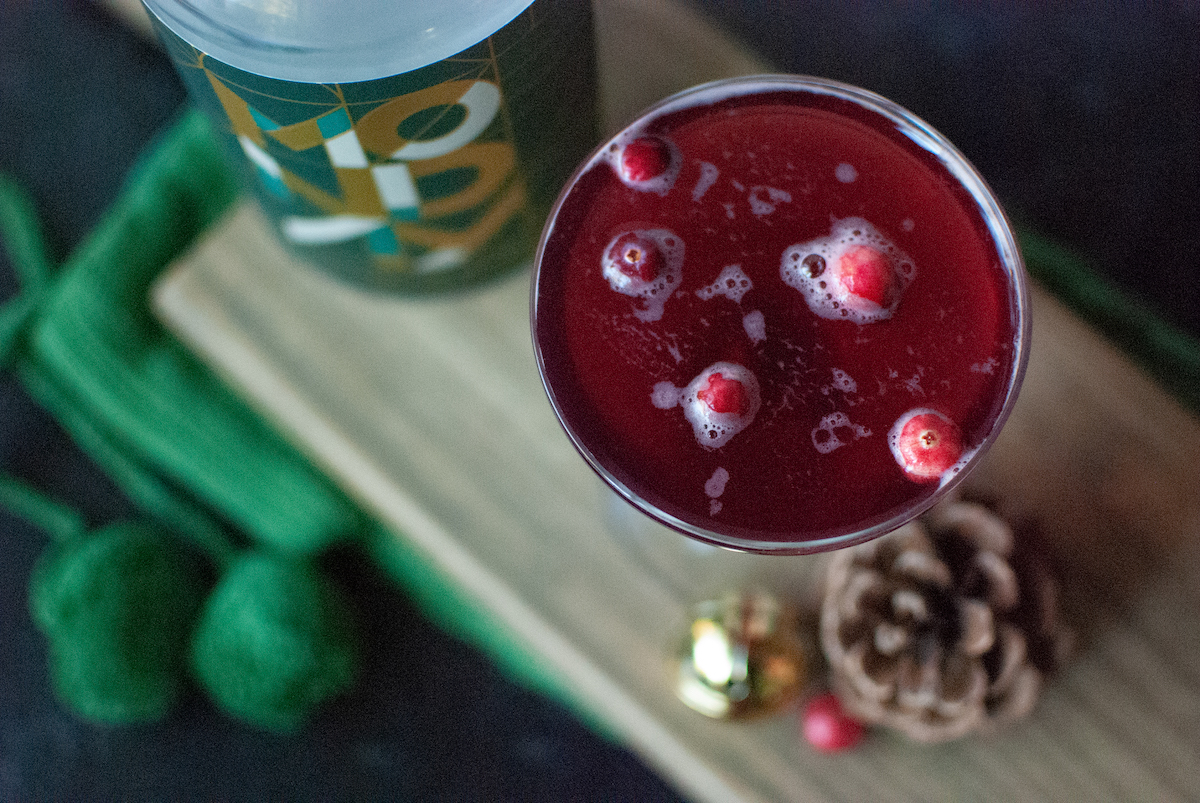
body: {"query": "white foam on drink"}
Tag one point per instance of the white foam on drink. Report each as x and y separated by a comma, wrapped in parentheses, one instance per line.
(825, 435)
(988, 366)
(732, 282)
(654, 293)
(714, 487)
(913, 385)
(708, 176)
(824, 292)
(763, 200)
(843, 381)
(665, 395)
(660, 184)
(967, 456)
(845, 173)
(712, 429)
(755, 325)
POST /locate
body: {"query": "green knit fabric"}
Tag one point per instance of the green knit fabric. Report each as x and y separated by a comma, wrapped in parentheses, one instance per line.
(116, 608)
(134, 397)
(275, 639)
(180, 188)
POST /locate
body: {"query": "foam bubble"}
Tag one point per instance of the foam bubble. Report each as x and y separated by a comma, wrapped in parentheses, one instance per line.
(988, 366)
(812, 268)
(825, 435)
(708, 176)
(843, 381)
(755, 325)
(665, 395)
(845, 173)
(715, 486)
(732, 282)
(655, 292)
(967, 456)
(763, 200)
(712, 429)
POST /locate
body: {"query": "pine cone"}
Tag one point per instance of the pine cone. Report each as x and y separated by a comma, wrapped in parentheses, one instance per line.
(931, 630)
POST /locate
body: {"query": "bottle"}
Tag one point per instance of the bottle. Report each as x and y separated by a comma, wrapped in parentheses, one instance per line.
(405, 147)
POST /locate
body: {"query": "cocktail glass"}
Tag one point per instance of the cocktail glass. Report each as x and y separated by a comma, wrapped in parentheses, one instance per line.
(780, 314)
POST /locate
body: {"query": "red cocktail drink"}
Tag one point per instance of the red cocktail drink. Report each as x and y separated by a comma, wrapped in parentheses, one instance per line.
(780, 314)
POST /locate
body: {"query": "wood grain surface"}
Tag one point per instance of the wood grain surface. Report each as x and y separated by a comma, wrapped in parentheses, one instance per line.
(430, 413)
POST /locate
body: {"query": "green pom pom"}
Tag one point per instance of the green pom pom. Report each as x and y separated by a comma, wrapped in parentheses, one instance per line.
(116, 607)
(274, 641)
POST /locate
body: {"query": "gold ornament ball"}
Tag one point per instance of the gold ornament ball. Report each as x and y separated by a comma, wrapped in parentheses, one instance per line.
(742, 657)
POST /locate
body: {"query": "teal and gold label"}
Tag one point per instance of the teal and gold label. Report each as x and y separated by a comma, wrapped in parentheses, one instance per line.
(429, 180)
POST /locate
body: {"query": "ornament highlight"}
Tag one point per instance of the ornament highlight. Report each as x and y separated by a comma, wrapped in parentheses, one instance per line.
(742, 657)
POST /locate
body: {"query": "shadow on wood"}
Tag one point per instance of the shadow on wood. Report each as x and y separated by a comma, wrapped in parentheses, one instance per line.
(1099, 461)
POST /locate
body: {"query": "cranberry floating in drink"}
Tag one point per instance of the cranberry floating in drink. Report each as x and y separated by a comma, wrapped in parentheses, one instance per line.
(780, 314)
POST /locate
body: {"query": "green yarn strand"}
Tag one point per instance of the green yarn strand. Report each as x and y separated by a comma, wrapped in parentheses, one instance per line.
(61, 522)
(13, 317)
(22, 234)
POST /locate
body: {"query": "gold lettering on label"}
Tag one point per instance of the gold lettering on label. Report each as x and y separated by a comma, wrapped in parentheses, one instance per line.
(495, 186)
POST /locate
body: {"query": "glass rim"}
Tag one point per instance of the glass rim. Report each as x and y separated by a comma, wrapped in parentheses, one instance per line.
(952, 160)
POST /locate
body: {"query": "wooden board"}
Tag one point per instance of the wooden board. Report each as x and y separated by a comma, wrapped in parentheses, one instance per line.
(430, 413)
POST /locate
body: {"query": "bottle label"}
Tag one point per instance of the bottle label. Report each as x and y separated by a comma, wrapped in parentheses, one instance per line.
(427, 180)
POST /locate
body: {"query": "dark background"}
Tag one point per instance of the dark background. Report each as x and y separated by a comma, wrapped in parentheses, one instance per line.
(1084, 117)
